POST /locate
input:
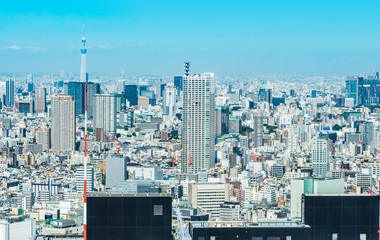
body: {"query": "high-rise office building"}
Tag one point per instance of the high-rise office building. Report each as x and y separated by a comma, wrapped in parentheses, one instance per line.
(40, 100)
(63, 123)
(120, 86)
(370, 137)
(222, 120)
(258, 122)
(178, 82)
(131, 95)
(105, 112)
(352, 88)
(10, 92)
(320, 156)
(43, 136)
(198, 122)
(116, 170)
(162, 87)
(78, 91)
(169, 101)
(269, 96)
(292, 92)
(25, 106)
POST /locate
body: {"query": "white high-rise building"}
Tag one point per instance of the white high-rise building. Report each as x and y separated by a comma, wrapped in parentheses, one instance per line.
(63, 123)
(198, 122)
(105, 112)
(258, 129)
(40, 100)
(169, 101)
(320, 156)
(293, 138)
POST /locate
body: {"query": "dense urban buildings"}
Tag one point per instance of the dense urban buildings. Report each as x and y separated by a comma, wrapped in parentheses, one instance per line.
(136, 154)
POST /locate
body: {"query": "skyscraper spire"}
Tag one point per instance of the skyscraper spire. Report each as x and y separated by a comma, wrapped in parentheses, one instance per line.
(83, 72)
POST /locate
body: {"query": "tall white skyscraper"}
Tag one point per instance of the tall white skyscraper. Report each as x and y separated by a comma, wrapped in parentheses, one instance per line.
(40, 100)
(320, 156)
(105, 112)
(169, 101)
(63, 123)
(258, 129)
(198, 122)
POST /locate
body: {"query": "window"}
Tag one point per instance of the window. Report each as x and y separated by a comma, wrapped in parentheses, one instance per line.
(212, 238)
(157, 210)
(334, 236)
(288, 237)
(363, 236)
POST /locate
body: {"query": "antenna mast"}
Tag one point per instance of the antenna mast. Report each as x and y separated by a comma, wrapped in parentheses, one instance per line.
(187, 68)
(85, 150)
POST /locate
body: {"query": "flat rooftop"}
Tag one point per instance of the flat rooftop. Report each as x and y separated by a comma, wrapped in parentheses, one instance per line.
(104, 194)
(242, 224)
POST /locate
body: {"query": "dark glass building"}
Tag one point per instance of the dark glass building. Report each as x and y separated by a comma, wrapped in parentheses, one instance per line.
(131, 94)
(341, 217)
(129, 217)
(178, 82)
(278, 100)
(78, 91)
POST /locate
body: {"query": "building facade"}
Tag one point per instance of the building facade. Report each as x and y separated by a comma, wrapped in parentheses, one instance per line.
(63, 123)
(40, 100)
(198, 122)
(105, 112)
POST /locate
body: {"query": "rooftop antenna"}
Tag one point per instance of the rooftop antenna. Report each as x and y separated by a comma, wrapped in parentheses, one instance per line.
(187, 68)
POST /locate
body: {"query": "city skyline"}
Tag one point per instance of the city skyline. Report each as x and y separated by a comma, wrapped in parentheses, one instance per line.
(246, 144)
(149, 37)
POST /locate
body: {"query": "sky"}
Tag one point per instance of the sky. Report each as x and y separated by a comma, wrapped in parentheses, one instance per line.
(227, 37)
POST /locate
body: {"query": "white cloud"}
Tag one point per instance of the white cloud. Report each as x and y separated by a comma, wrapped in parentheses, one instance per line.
(32, 48)
(14, 47)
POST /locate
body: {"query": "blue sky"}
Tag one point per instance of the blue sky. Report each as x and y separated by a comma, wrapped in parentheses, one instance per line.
(247, 37)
